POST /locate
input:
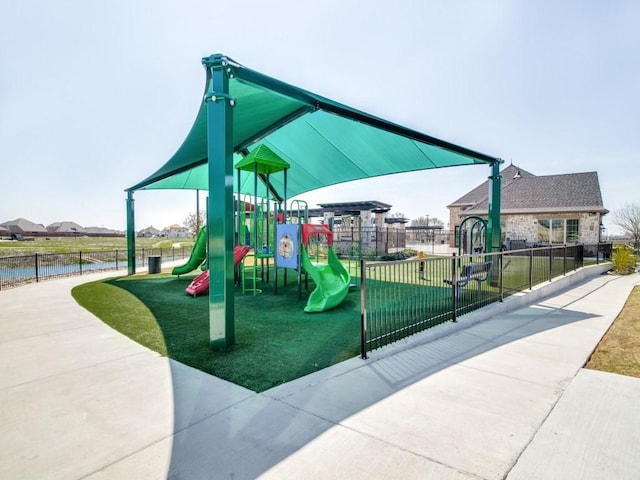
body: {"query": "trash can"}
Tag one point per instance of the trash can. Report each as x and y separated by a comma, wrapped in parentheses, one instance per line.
(155, 263)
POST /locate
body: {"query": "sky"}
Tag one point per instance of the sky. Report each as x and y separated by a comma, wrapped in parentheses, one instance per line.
(96, 96)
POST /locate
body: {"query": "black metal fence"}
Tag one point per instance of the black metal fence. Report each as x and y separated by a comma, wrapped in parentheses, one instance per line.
(23, 269)
(367, 242)
(401, 298)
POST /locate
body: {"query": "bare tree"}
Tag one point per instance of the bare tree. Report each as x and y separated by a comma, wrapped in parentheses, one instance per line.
(427, 222)
(628, 218)
(194, 223)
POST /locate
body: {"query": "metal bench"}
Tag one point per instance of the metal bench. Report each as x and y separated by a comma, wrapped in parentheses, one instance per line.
(479, 272)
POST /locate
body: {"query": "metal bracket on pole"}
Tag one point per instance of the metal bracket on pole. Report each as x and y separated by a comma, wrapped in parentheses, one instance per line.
(215, 96)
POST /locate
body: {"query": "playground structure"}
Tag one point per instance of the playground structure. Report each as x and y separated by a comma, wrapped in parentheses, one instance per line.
(324, 142)
(332, 278)
(261, 246)
(200, 284)
(198, 255)
(476, 242)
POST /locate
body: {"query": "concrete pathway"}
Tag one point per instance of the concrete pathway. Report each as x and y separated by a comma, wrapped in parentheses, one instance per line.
(501, 398)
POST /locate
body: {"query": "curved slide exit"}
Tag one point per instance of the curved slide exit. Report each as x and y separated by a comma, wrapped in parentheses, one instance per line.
(332, 279)
(198, 254)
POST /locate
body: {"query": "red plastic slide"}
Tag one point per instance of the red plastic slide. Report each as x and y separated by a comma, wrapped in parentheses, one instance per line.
(200, 284)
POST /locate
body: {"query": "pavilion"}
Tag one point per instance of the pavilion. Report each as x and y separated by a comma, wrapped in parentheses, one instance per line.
(323, 141)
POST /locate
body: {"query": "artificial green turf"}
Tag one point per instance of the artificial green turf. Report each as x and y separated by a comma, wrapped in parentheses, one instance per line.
(275, 340)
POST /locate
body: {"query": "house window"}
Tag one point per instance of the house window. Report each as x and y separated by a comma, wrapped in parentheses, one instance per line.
(572, 230)
(558, 231)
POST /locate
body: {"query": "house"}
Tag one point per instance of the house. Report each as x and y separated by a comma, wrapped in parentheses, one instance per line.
(149, 232)
(24, 227)
(175, 231)
(539, 210)
(65, 229)
(103, 232)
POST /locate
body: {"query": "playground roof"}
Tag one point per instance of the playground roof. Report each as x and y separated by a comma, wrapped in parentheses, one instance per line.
(323, 141)
(351, 207)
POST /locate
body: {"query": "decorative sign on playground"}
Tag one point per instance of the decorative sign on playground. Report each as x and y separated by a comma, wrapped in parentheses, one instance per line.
(287, 245)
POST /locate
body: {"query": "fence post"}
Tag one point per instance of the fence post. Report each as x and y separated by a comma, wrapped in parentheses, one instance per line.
(454, 287)
(501, 298)
(36, 260)
(116, 259)
(564, 261)
(531, 268)
(363, 311)
(80, 260)
(550, 262)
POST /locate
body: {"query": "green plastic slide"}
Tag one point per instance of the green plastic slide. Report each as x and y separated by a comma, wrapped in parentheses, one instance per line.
(198, 254)
(332, 282)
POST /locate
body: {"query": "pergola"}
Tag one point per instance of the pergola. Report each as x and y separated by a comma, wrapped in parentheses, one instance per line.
(323, 141)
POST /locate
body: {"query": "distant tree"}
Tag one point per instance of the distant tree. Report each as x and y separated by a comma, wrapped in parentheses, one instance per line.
(397, 215)
(194, 223)
(424, 221)
(628, 219)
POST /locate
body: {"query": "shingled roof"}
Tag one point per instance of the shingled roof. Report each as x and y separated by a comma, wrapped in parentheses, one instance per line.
(22, 225)
(523, 192)
(65, 227)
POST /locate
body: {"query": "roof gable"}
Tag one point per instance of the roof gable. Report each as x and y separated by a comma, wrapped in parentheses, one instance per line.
(478, 194)
(65, 227)
(550, 193)
(20, 225)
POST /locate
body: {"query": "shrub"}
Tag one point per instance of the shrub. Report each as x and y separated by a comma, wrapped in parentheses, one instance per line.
(623, 259)
(407, 253)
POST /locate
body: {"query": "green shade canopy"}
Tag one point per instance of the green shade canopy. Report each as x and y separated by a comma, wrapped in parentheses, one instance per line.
(323, 142)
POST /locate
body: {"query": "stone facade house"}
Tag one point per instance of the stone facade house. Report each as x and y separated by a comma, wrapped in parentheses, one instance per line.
(538, 210)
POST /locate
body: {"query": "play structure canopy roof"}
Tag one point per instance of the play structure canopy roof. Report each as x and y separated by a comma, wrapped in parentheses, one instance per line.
(324, 142)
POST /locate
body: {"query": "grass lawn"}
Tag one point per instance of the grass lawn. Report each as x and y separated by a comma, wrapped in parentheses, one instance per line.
(619, 349)
(276, 341)
(83, 243)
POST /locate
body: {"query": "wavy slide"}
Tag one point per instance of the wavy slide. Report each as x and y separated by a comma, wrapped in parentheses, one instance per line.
(198, 254)
(332, 282)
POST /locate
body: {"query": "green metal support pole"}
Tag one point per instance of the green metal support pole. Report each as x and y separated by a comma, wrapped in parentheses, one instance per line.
(494, 233)
(220, 202)
(131, 235)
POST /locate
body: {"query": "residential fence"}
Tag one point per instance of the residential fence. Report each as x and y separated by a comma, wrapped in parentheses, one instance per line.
(400, 298)
(354, 241)
(23, 269)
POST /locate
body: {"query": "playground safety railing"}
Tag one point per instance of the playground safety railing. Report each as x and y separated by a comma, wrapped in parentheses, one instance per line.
(400, 298)
(24, 269)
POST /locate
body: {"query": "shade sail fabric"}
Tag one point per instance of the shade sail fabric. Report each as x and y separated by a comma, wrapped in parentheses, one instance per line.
(324, 142)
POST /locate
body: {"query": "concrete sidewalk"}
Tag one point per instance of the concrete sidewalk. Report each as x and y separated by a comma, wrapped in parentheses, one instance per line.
(502, 398)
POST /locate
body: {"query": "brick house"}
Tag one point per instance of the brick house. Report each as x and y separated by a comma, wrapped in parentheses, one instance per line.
(539, 210)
